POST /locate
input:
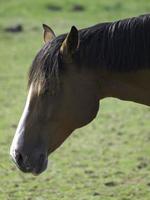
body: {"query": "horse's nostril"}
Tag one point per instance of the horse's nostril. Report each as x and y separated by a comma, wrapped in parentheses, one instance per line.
(22, 161)
(19, 158)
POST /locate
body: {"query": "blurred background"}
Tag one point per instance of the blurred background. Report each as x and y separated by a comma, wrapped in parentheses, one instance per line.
(106, 160)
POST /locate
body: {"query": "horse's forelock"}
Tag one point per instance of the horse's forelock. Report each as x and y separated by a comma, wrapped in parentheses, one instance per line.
(44, 72)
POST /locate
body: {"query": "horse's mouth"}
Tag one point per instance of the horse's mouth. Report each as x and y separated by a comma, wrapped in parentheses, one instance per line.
(36, 170)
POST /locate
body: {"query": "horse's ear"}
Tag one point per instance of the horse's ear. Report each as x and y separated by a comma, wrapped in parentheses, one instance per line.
(71, 42)
(48, 33)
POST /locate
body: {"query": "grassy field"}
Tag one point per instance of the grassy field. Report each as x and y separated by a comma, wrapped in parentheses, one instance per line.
(106, 160)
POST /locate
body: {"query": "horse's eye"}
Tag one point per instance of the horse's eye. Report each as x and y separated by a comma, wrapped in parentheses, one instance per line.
(45, 92)
(49, 92)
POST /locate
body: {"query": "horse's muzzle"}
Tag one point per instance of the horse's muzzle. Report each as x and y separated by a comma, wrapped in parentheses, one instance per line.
(34, 163)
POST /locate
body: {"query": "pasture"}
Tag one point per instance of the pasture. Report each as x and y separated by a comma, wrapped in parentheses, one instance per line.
(107, 160)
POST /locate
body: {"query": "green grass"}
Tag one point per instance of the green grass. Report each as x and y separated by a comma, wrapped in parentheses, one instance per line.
(106, 160)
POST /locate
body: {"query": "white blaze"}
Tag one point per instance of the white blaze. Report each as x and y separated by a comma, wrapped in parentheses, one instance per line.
(18, 138)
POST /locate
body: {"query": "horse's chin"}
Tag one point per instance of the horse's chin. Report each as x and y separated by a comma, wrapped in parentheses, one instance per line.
(40, 169)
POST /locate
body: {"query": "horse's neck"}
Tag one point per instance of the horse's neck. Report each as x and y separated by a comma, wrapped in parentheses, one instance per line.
(131, 86)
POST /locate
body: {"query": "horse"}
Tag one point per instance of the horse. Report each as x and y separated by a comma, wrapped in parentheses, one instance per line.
(69, 77)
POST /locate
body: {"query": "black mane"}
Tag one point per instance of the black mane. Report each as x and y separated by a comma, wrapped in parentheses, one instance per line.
(121, 46)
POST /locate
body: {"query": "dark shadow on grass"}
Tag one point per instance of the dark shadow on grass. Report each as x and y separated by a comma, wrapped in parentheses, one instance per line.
(53, 7)
(14, 28)
(96, 194)
(111, 184)
(78, 8)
